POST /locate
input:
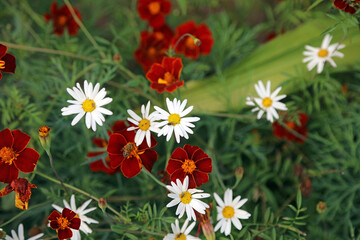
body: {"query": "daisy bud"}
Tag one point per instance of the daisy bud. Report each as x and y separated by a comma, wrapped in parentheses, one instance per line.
(321, 207)
(239, 172)
(102, 203)
(44, 137)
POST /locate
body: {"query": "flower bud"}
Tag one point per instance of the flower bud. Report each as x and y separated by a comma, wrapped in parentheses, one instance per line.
(239, 172)
(102, 203)
(306, 187)
(117, 58)
(205, 223)
(321, 207)
(2, 234)
(44, 136)
(197, 42)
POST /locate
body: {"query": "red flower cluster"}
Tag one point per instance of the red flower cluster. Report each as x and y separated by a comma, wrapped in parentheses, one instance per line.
(62, 223)
(15, 156)
(189, 161)
(351, 7)
(99, 166)
(154, 11)
(7, 61)
(166, 76)
(283, 133)
(62, 18)
(22, 188)
(124, 153)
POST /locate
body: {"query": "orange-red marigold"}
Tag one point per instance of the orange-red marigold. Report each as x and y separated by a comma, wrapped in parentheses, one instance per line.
(166, 76)
(14, 155)
(190, 161)
(7, 61)
(187, 45)
(123, 152)
(62, 18)
(64, 223)
(154, 11)
(281, 132)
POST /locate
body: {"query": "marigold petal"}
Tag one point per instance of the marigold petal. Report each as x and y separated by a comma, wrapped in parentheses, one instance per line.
(191, 150)
(75, 223)
(67, 213)
(178, 174)
(21, 140)
(166, 7)
(179, 154)
(64, 234)
(54, 215)
(174, 165)
(27, 159)
(192, 182)
(144, 146)
(10, 63)
(116, 142)
(54, 225)
(157, 71)
(3, 50)
(204, 165)
(6, 138)
(129, 135)
(200, 178)
(116, 160)
(8, 173)
(157, 21)
(340, 4)
(119, 126)
(130, 167)
(148, 159)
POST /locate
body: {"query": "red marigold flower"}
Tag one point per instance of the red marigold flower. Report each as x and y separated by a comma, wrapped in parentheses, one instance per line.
(14, 155)
(152, 49)
(189, 161)
(99, 166)
(205, 224)
(62, 19)
(154, 11)
(7, 61)
(340, 4)
(187, 45)
(166, 76)
(346, 6)
(281, 132)
(306, 187)
(123, 152)
(62, 223)
(22, 188)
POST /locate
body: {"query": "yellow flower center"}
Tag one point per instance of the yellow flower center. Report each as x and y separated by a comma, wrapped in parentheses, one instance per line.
(267, 102)
(88, 105)
(180, 236)
(63, 222)
(8, 155)
(323, 53)
(144, 124)
(62, 20)
(185, 197)
(2, 64)
(291, 125)
(189, 42)
(174, 119)
(154, 8)
(151, 52)
(228, 212)
(168, 79)
(188, 166)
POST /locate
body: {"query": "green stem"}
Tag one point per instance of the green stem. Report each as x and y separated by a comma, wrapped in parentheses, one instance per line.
(54, 170)
(154, 178)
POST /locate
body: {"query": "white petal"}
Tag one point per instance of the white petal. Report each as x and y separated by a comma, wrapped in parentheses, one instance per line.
(77, 118)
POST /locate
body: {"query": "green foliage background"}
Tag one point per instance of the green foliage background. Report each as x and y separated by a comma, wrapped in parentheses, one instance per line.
(231, 136)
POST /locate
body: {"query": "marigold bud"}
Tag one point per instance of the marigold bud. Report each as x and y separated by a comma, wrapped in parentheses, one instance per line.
(197, 42)
(116, 57)
(321, 207)
(239, 172)
(44, 131)
(205, 223)
(102, 203)
(44, 136)
(306, 187)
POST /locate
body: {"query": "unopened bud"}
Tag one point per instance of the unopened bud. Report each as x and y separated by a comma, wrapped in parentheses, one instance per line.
(321, 207)
(102, 203)
(2, 234)
(239, 172)
(197, 42)
(44, 136)
(44, 131)
(116, 57)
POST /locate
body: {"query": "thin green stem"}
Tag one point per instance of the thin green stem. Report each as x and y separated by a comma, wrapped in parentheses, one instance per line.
(229, 115)
(54, 170)
(153, 177)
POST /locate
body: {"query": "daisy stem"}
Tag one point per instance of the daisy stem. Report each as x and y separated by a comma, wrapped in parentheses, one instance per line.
(82, 26)
(81, 192)
(153, 177)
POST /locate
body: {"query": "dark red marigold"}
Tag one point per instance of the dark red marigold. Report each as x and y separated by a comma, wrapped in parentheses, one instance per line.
(22, 189)
(98, 165)
(281, 132)
(62, 19)
(62, 223)
(152, 49)
(154, 11)
(346, 6)
(166, 76)
(187, 45)
(189, 161)
(123, 152)
(7, 61)
(14, 155)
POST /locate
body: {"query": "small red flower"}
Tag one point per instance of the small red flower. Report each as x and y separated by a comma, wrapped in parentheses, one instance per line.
(123, 152)
(99, 166)
(306, 187)
(189, 161)
(22, 189)
(154, 11)
(152, 49)
(7, 61)
(62, 19)
(187, 45)
(14, 155)
(346, 6)
(166, 76)
(281, 132)
(62, 223)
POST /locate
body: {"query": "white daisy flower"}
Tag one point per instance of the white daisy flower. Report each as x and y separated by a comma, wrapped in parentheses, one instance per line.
(20, 235)
(174, 121)
(268, 102)
(229, 212)
(318, 56)
(181, 234)
(188, 199)
(89, 102)
(81, 212)
(144, 125)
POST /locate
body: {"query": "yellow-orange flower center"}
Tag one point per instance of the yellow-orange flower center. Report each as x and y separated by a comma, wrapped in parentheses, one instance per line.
(291, 125)
(62, 20)
(189, 42)
(267, 102)
(2, 64)
(188, 166)
(88, 105)
(174, 119)
(151, 52)
(180, 236)
(63, 222)
(8, 155)
(185, 197)
(144, 124)
(323, 53)
(130, 150)
(228, 212)
(168, 79)
(154, 8)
